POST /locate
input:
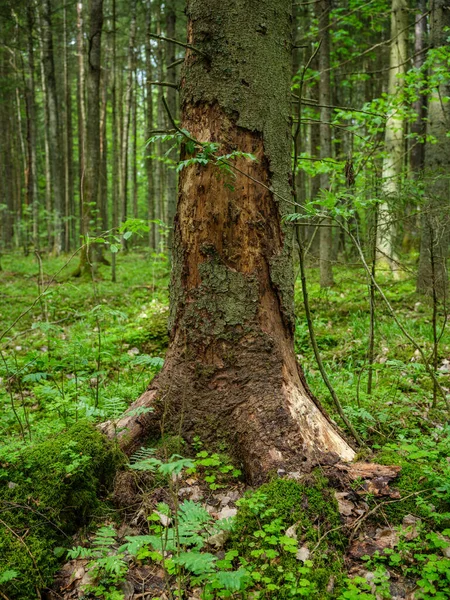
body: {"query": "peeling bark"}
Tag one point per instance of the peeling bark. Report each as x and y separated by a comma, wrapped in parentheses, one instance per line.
(230, 373)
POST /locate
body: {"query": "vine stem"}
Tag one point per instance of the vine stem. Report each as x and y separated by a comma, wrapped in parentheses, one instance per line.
(396, 319)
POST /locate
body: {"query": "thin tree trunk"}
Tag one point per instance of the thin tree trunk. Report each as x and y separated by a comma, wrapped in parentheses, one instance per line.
(69, 205)
(47, 169)
(149, 166)
(56, 147)
(90, 185)
(31, 129)
(115, 157)
(134, 182)
(394, 136)
(127, 114)
(81, 98)
(326, 237)
(435, 219)
(161, 125)
(171, 77)
(103, 179)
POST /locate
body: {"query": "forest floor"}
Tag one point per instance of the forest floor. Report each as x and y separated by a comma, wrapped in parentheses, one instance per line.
(180, 522)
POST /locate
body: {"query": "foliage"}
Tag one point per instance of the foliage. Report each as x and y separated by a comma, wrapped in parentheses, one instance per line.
(269, 553)
(48, 490)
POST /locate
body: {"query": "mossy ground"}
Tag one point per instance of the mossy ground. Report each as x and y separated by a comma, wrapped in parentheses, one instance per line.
(311, 507)
(51, 489)
(86, 351)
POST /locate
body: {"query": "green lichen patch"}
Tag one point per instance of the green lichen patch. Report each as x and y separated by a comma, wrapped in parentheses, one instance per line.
(45, 496)
(266, 518)
(223, 301)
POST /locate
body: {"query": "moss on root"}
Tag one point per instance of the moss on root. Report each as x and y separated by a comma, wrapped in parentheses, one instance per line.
(48, 493)
(312, 507)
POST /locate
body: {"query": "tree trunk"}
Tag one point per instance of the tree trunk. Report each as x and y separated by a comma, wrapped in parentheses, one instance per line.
(435, 220)
(417, 151)
(172, 104)
(115, 155)
(81, 92)
(230, 373)
(90, 181)
(103, 179)
(134, 169)
(31, 130)
(69, 206)
(149, 123)
(54, 126)
(161, 125)
(127, 114)
(394, 135)
(326, 238)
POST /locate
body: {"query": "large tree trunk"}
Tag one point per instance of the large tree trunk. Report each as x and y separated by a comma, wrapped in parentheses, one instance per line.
(435, 220)
(230, 373)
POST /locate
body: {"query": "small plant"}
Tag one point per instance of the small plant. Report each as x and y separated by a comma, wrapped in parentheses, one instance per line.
(107, 566)
(215, 469)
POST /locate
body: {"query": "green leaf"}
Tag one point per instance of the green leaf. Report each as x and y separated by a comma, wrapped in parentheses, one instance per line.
(8, 575)
(199, 563)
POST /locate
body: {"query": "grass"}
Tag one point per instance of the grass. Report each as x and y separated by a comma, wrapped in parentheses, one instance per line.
(76, 351)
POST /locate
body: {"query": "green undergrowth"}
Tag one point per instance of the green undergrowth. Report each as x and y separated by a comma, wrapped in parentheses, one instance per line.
(47, 492)
(84, 350)
(306, 510)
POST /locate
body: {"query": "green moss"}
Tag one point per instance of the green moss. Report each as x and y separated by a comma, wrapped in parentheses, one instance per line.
(413, 485)
(309, 505)
(48, 493)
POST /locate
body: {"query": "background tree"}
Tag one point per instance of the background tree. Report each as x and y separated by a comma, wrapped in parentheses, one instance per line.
(435, 220)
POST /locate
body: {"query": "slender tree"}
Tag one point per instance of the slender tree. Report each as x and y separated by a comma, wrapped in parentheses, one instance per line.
(149, 165)
(435, 221)
(55, 141)
(127, 112)
(172, 105)
(326, 238)
(90, 179)
(394, 135)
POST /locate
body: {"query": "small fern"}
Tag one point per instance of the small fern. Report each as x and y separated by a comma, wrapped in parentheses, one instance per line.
(114, 407)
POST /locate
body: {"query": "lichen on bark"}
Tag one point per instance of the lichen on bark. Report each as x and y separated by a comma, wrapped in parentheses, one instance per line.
(230, 371)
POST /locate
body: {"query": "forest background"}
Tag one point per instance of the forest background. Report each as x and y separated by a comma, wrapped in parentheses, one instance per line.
(89, 146)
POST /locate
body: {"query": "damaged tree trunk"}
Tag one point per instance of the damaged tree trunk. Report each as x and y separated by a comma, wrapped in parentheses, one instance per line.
(230, 373)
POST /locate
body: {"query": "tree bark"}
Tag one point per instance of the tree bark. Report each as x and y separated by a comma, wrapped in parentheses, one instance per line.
(326, 237)
(435, 220)
(90, 181)
(115, 168)
(31, 129)
(172, 104)
(127, 114)
(230, 373)
(394, 136)
(81, 97)
(55, 140)
(69, 204)
(149, 123)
